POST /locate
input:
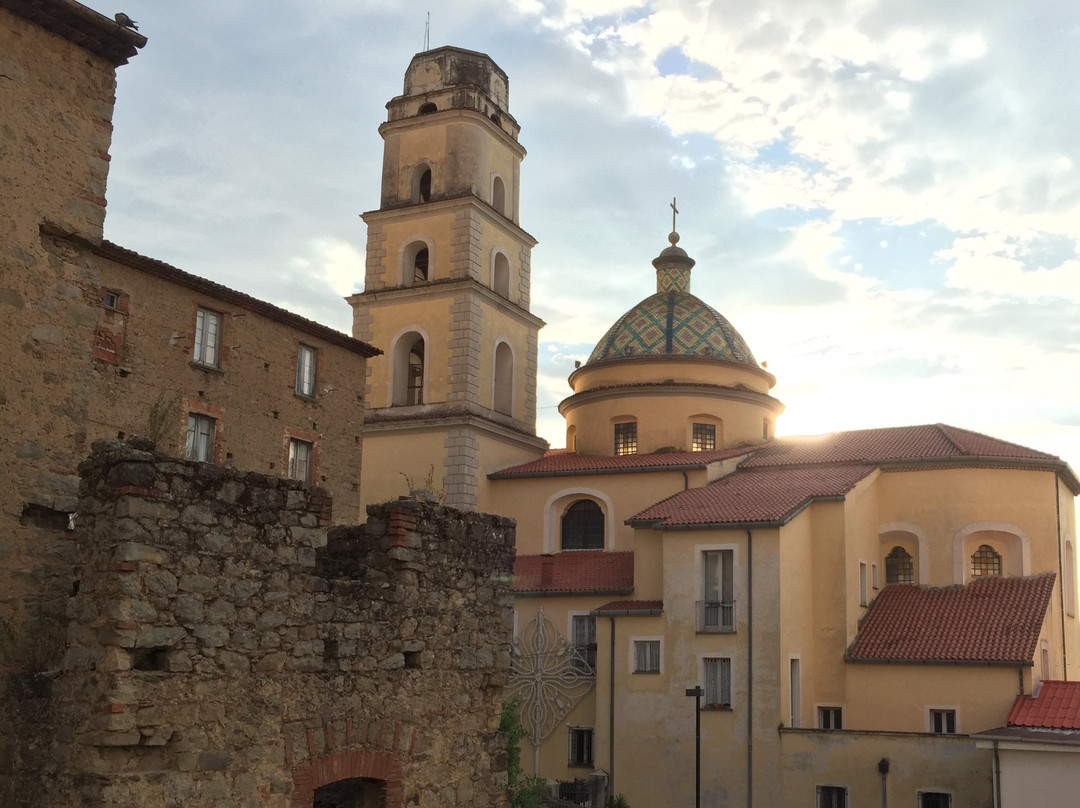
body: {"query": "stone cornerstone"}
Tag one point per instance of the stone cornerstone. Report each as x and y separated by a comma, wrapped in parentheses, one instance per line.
(226, 648)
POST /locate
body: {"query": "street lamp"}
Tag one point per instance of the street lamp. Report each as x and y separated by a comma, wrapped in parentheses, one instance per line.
(697, 693)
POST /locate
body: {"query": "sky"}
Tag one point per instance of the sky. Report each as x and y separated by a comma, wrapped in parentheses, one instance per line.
(883, 197)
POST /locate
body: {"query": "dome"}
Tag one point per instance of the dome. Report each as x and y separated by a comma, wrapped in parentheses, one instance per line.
(673, 323)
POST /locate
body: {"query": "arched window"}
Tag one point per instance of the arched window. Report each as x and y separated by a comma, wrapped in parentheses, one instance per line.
(421, 183)
(498, 195)
(415, 264)
(503, 394)
(583, 526)
(899, 567)
(428, 108)
(985, 561)
(500, 275)
(409, 370)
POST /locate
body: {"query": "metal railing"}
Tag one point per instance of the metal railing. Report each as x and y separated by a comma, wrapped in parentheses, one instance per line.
(715, 617)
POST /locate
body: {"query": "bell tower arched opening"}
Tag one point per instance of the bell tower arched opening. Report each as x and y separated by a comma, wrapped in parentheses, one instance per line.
(409, 370)
(503, 394)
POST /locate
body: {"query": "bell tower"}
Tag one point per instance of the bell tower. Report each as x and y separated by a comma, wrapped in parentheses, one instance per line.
(446, 292)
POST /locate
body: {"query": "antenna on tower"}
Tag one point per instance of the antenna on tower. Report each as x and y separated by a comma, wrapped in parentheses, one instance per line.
(427, 33)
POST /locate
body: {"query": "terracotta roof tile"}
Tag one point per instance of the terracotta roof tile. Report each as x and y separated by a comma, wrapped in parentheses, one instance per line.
(632, 606)
(991, 620)
(928, 442)
(555, 463)
(771, 496)
(1055, 706)
(575, 571)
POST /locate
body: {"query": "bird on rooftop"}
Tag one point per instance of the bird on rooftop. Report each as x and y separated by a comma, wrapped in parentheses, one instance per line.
(126, 21)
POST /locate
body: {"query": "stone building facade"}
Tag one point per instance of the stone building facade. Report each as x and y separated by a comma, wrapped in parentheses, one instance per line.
(226, 648)
(100, 341)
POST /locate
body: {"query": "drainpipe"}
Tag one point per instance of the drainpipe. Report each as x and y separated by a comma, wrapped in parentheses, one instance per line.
(611, 713)
(997, 776)
(883, 770)
(749, 669)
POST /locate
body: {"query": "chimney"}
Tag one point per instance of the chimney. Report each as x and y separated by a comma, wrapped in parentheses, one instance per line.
(547, 570)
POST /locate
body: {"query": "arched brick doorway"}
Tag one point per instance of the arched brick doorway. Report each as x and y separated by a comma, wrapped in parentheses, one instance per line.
(360, 775)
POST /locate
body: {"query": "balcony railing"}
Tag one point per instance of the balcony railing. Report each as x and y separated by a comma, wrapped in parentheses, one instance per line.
(715, 617)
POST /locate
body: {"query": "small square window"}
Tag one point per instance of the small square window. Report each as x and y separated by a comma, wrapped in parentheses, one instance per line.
(830, 717)
(301, 454)
(307, 364)
(200, 438)
(647, 656)
(207, 337)
(111, 300)
(831, 797)
(717, 683)
(581, 747)
(943, 722)
(704, 437)
(626, 438)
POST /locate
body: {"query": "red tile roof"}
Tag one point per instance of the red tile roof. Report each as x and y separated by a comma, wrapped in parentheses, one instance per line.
(992, 620)
(563, 463)
(770, 496)
(576, 571)
(902, 443)
(642, 606)
(1055, 706)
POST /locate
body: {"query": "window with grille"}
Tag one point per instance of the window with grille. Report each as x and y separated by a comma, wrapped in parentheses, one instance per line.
(716, 612)
(583, 526)
(307, 362)
(301, 455)
(581, 746)
(200, 438)
(647, 656)
(943, 722)
(830, 717)
(717, 682)
(704, 437)
(583, 629)
(831, 797)
(985, 561)
(626, 438)
(899, 567)
(207, 337)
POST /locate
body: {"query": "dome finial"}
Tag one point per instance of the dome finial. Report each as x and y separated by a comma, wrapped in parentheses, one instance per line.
(673, 237)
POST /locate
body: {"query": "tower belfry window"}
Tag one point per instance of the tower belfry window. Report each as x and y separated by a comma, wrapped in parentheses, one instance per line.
(414, 391)
(428, 108)
(425, 186)
(420, 266)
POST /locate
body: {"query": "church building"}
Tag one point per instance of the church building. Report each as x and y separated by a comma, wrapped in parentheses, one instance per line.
(834, 615)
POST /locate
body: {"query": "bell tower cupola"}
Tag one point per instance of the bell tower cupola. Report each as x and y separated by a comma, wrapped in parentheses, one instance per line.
(446, 289)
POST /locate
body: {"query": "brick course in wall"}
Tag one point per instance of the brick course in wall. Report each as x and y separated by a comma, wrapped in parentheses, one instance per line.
(225, 647)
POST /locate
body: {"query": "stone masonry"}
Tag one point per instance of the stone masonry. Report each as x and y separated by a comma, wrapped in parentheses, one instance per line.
(226, 648)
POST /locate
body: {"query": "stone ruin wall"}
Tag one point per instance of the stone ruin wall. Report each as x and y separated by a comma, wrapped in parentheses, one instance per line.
(225, 648)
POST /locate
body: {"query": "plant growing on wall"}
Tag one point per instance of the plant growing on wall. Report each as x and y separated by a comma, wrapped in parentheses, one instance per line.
(163, 413)
(526, 790)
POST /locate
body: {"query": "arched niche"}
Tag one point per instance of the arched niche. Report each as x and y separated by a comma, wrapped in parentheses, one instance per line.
(913, 540)
(1007, 540)
(558, 504)
(502, 394)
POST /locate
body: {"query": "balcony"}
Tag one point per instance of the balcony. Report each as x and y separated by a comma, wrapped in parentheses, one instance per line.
(715, 617)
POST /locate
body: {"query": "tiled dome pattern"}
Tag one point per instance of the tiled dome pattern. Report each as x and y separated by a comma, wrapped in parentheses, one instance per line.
(673, 323)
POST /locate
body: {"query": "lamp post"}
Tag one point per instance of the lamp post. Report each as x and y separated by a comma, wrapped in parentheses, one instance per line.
(697, 693)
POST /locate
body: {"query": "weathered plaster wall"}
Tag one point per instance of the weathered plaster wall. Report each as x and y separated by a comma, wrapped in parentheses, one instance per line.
(225, 648)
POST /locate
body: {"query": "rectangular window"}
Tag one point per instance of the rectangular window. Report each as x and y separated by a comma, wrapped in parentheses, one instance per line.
(583, 629)
(647, 656)
(704, 437)
(111, 300)
(831, 797)
(873, 576)
(718, 682)
(200, 438)
(862, 583)
(626, 438)
(581, 753)
(307, 362)
(207, 337)
(935, 799)
(796, 693)
(717, 610)
(830, 717)
(301, 454)
(943, 722)
(766, 430)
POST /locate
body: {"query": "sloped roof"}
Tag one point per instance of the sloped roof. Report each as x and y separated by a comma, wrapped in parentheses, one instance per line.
(992, 620)
(577, 571)
(769, 496)
(901, 443)
(81, 26)
(1055, 706)
(632, 607)
(563, 463)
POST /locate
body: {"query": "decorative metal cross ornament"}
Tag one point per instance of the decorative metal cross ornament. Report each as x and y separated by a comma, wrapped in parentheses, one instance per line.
(674, 213)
